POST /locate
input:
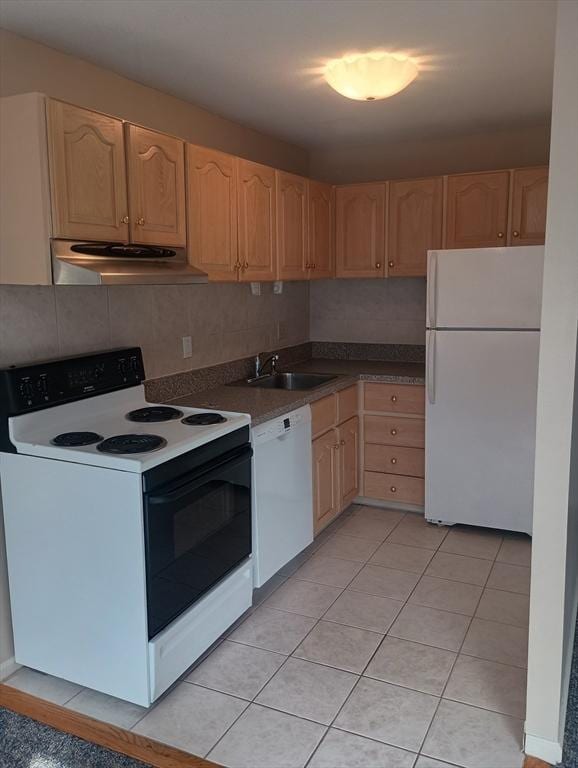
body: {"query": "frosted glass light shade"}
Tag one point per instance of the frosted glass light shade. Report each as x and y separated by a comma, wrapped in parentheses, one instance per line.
(370, 76)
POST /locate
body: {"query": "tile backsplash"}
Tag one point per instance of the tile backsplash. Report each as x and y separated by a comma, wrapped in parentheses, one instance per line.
(225, 321)
(369, 311)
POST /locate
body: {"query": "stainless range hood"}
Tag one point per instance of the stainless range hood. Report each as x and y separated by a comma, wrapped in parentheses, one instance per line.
(86, 263)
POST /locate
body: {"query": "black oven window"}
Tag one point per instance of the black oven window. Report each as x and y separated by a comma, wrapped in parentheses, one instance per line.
(194, 538)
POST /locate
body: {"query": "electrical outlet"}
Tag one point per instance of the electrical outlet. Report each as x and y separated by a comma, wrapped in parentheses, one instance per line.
(187, 346)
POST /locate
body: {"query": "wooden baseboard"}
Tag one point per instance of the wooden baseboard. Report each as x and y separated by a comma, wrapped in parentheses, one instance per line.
(534, 762)
(104, 734)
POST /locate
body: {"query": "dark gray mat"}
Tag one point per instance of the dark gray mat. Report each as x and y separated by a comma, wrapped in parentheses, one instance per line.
(570, 753)
(25, 743)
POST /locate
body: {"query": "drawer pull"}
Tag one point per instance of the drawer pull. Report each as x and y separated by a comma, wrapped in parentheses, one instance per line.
(394, 460)
(393, 489)
(342, 442)
(393, 432)
(394, 398)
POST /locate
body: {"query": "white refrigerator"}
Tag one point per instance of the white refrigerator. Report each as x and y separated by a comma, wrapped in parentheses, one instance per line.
(482, 346)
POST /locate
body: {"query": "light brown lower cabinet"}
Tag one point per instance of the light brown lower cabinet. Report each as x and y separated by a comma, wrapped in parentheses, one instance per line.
(348, 434)
(336, 470)
(325, 479)
(386, 487)
(394, 436)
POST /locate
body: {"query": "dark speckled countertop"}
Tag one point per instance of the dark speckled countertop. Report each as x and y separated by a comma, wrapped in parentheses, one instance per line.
(265, 404)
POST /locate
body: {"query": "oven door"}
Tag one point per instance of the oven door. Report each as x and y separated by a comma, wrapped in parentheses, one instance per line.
(197, 529)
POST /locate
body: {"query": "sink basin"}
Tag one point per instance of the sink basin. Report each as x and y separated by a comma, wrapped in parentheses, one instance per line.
(290, 381)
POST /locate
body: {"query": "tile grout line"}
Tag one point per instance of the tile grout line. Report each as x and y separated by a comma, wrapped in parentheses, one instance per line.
(441, 698)
(289, 656)
(379, 646)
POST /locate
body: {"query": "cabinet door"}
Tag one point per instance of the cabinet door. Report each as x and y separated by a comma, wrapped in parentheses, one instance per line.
(212, 212)
(321, 260)
(156, 173)
(87, 174)
(360, 230)
(415, 225)
(326, 492)
(257, 221)
(292, 226)
(349, 461)
(529, 199)
(477, 210)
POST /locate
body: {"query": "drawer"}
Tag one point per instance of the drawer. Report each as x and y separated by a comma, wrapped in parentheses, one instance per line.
(378, 485)
(394, 459)
(395, 398)
(323, 414)
(347, 406)
(394, 430)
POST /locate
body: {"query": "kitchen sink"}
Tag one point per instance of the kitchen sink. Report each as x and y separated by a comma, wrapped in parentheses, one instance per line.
(289, 381)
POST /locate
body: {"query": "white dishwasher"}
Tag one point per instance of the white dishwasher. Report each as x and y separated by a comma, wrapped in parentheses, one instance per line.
(282, 492)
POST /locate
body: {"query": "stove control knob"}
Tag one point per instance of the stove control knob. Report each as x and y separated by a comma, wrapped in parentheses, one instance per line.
(122, 367)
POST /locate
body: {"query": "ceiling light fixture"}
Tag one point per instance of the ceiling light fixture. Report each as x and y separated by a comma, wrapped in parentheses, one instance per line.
(370, 76)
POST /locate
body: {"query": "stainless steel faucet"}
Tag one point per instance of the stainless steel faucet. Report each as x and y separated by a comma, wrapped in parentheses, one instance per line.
(260, 366)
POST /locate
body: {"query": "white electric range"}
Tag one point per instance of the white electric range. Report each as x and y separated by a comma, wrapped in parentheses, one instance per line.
(128, 525)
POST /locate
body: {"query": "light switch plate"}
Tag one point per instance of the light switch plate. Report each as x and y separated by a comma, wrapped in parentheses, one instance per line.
(187, 346)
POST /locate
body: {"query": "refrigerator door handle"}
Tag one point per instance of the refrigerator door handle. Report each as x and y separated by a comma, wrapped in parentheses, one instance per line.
(431, 367)
(431, 288)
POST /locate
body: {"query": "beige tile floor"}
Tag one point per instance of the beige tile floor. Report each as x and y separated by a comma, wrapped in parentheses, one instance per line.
(387, 643)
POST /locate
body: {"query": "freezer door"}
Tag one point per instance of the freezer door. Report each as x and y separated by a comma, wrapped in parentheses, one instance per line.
(485, 288)
(480, 427)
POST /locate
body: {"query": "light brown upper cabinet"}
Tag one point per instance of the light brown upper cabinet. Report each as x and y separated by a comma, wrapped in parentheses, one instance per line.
(360, 230)
(321, 261)
(529, 193)
(292, 229)
(414, 226)
(477, 210)
(257, 221)
(156, 172)
(87, 174)
(212, 212)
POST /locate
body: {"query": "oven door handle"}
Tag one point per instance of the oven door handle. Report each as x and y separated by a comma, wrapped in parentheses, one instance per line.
(201, 478)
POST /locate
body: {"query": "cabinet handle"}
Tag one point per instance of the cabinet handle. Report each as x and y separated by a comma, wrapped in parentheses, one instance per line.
(393, 432)
(391, 264)
(500, 235)
(314, 266)
(245, 265)
(336, 446)
(515, 233)
(140, 220)
(393, 489)
(342, 442)
(394, 398)
(377, 265)
(308, 266)
(394, 460)
(237, 266)
(124, 220)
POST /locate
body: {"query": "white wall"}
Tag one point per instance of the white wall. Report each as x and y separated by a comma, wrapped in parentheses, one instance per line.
(510, 147)
(555, 544)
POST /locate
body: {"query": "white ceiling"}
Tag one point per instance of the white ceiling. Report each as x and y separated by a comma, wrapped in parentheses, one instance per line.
(488, 63)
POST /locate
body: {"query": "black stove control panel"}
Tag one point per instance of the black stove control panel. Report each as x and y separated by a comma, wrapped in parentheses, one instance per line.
(25, 388)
